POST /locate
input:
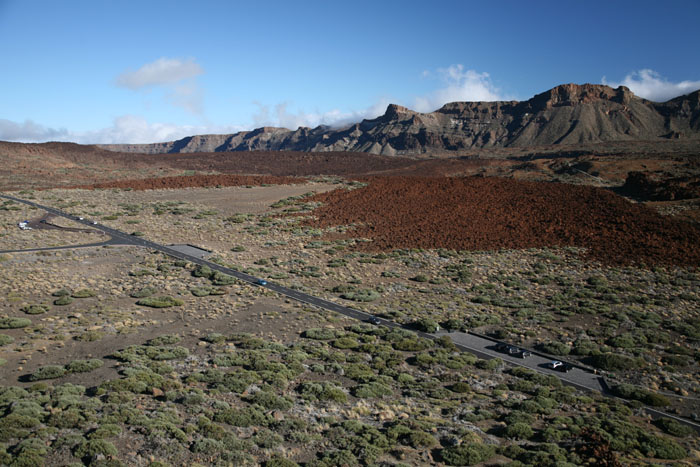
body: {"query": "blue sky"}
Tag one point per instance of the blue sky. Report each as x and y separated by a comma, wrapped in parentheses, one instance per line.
(104, 71)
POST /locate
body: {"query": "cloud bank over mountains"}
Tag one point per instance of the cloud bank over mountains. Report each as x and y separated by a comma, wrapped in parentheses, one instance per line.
(654, 87)
(178, 79)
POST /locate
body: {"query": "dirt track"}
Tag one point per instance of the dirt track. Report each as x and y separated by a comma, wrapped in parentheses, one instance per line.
(496, 213)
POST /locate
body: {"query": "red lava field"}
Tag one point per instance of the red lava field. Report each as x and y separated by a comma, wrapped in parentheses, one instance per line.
(493, 213)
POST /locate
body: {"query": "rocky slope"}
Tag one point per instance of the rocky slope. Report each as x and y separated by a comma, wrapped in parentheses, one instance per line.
(566, 114)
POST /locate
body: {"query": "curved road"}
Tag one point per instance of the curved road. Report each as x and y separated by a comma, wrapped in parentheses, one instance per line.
(481, 346)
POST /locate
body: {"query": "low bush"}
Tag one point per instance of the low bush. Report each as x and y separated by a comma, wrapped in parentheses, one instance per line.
(673, 428)
(34, 309)
(83, 293)
(84, 366)
(628, 391)
(47, 372)
(91, 448)
(612, 361)
(160, 302)
(555, 348)
(362, 295)
(64, 300)
(468, 454)
(143, 293)
(14, 323)
(5, 339)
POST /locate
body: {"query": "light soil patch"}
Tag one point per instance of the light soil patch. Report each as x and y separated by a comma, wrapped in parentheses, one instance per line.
(233, 200)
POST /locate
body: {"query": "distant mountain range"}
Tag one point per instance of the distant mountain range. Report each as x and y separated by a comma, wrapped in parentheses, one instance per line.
(566, 114)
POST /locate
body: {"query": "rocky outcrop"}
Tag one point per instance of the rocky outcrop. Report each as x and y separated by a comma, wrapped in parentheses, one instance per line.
(566, 114)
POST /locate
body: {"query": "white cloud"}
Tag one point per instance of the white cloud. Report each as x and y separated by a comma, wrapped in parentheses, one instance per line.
(161, 72)
(458, 85)
(282, 117)
(177, 76)
(651, 85)
(125, 129)
(29, 132)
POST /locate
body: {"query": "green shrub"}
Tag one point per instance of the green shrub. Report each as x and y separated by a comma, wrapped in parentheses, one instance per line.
(420, 278)
(461, 388)
(83, 293)
(612, 361)
(165, 339)
(322, 391)
(518, 431)
(320, 334)
(662, 448)
(202, 271)
(61, 293)
(214, 338)
(84, 366)
(89, 336)
(91, 448)
(362, 295)
(345, 343)
(5, 339)
(64, 300)
(47, 372)
(143, 293)
(219, 278)
(160, 302)
(427, 325)
(270, 401)
(555, 348)
(278, 461)
(468, 454)
(421, 440)
(373, 389)
(34, 309)
(107, 430)
(14, 323)
(673, 428)
(628, 391)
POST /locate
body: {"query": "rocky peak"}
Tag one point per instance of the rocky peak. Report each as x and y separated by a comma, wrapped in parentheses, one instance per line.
(397, 112)
(576, 94)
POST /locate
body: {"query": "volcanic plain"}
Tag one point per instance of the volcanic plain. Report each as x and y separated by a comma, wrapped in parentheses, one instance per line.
(122, 356)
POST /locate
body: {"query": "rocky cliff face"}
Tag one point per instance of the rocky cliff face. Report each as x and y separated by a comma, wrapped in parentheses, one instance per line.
(566, 114)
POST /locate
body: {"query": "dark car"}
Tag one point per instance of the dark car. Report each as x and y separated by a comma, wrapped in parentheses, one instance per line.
(512, 350)
(373, 320)
(525, 354)
(261, 282)
(503, 347)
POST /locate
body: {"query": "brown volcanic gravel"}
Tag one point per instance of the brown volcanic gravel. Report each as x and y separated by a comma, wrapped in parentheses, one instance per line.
(496, 213)
(195, 181)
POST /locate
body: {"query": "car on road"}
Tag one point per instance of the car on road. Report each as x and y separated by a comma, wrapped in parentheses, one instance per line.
(261, 282)
(560, 366)
(373, 320)
(525, 353)
(502, 347)
(81, 218)
(512, 350)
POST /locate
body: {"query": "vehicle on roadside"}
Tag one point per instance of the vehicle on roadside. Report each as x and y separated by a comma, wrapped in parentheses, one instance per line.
(512, 350)
(373, 320)
(525, 354)
(261, 282)
(560, 366)
(81, 218)
(502, 347)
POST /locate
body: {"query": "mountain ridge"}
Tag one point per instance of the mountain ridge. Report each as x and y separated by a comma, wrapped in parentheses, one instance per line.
(566, 114)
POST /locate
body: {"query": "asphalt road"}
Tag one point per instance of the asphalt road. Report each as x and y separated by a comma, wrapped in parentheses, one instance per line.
(481, 347)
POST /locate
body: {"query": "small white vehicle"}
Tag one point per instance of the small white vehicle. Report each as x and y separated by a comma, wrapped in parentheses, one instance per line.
(24, 226)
